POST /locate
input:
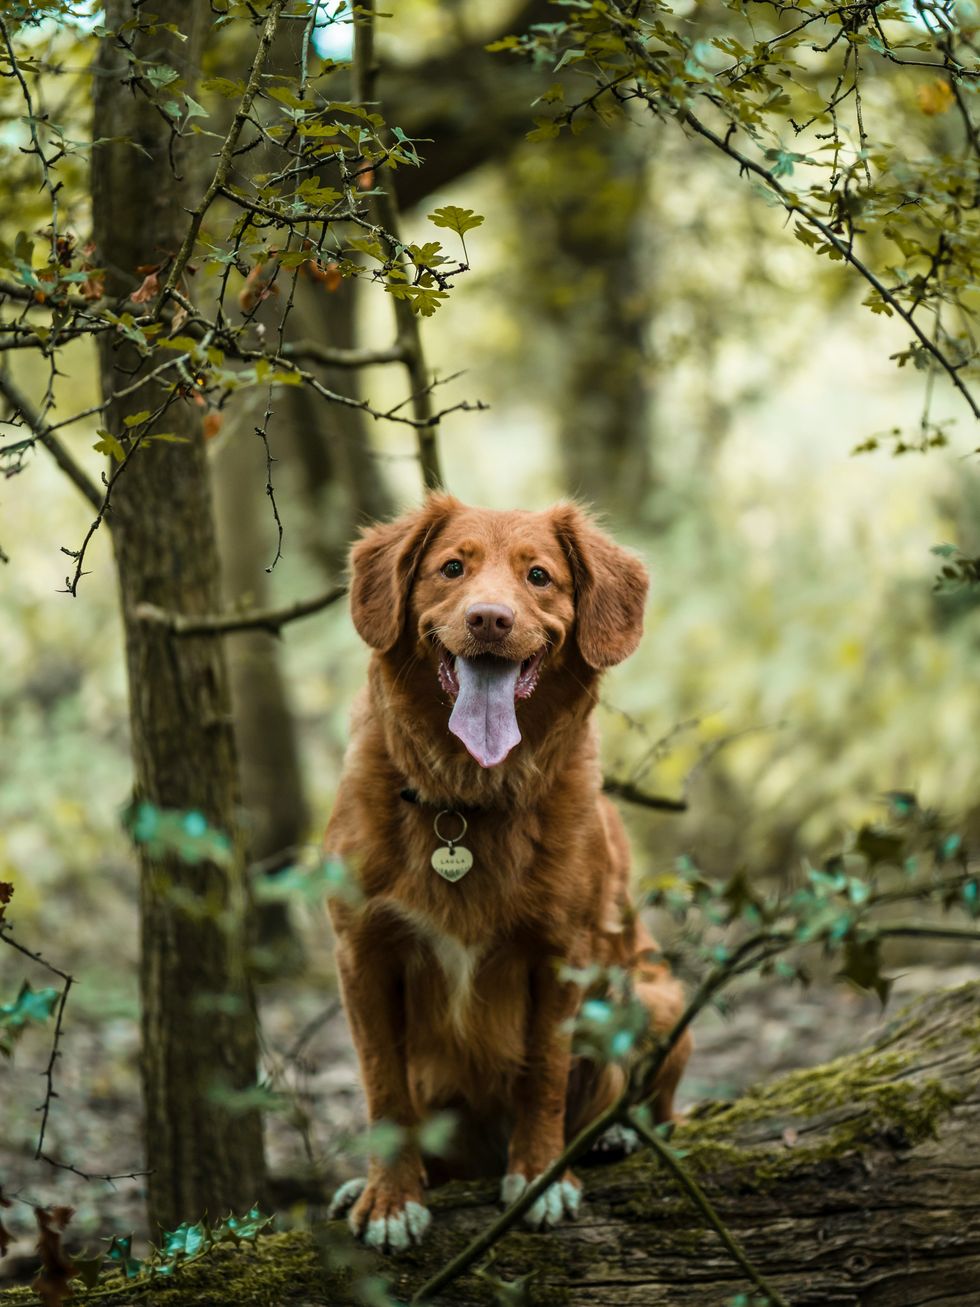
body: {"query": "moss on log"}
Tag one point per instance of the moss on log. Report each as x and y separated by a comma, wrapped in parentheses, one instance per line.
(854, 1184)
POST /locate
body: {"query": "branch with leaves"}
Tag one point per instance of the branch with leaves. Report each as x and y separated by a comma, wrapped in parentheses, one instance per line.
(747, 79)
(308, 221)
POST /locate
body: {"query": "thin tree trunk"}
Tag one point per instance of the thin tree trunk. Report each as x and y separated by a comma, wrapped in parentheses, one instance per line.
(199, 1035)
(276, 813)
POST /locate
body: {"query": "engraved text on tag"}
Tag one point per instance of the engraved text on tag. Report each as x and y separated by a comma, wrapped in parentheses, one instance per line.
(452, 862)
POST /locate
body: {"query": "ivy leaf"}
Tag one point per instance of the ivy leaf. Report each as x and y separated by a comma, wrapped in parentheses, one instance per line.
(120, 1253)
(30, 1005)
(862, 966)
(88, 1269)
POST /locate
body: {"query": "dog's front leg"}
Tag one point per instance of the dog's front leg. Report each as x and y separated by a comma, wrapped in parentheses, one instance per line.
(539, 1107)
(386, 1207)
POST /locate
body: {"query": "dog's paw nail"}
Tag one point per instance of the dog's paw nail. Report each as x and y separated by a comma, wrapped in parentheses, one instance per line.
(619, 1139)
(346, 1196)
(397, 1232)
(560, 1201)
(571, 1196)
(418, 1220)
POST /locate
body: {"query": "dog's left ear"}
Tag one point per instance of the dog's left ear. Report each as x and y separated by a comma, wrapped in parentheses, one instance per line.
(382, 566)
(610, 588)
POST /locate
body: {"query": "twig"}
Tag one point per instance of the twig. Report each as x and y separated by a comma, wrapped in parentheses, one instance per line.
(498, 1228)
(261, 619)
(45, 436)
(312, 351)
(226, 153)
(630, 793)
(704, 1205)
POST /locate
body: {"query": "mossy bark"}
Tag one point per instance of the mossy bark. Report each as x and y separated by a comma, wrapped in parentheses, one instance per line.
(850, 1185)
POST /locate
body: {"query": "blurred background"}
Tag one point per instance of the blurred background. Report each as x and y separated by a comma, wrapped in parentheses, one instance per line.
(649, 338)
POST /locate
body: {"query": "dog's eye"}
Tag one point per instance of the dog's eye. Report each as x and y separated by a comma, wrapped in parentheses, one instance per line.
(452, 569)
(538, 576)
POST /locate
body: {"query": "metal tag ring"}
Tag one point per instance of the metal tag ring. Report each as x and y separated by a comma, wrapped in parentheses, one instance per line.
(449, 812)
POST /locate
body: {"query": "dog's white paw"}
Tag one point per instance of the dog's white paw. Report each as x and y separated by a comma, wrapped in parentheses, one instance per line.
(618, 1140)
(397, 1231)
(346, 1196)
(379, 1219)
(559, 1202)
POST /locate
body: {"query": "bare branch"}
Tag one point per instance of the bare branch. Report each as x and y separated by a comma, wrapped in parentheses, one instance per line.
(311, 351)
(263, 619)
(45, 436)
(630, 793)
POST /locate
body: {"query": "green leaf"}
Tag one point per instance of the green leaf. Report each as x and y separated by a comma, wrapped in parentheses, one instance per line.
(862, 966)
(194, 109)
(88, 1269)
(161, 75)
(136, 419)
(120, 1251)
(456, 219)
(108, 444)
(545, 129)
(188, 835)
(30, 1005)
(224, 86)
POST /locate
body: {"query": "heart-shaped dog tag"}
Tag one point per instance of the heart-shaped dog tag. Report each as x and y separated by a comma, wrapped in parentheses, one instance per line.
(453, 862)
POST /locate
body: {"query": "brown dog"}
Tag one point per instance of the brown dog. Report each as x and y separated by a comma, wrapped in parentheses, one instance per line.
(491, 631)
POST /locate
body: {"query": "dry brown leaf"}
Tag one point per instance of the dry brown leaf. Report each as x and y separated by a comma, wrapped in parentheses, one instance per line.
(51, 1284)
(149, 289)
(935, 97)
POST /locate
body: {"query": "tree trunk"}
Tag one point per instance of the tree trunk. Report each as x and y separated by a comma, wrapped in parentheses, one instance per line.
(584, 199)
(276, 813)
(199, 1037)
(852, 1184)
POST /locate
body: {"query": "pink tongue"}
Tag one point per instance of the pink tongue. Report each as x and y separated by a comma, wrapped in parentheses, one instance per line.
(483, 716)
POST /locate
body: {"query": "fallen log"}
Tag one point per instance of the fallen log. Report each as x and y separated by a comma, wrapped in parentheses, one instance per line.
(852, 1184)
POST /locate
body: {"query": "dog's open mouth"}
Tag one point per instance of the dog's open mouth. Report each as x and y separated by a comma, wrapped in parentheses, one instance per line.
(485, 690)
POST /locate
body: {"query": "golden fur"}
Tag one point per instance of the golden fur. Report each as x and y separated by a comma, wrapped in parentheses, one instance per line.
(452, 990)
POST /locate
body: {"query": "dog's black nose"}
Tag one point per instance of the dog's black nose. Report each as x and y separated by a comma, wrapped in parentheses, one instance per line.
(490, 622)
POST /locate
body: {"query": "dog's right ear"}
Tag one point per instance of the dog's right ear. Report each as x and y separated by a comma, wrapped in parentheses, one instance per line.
(382, 566)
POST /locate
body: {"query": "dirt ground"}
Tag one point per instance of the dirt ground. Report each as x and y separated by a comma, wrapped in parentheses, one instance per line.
(95, 1123)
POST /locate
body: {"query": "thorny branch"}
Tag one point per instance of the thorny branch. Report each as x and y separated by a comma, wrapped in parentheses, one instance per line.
(51, 1093)
(44, 434)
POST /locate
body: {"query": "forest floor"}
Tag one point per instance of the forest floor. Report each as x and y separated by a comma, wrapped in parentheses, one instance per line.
(318, 1109)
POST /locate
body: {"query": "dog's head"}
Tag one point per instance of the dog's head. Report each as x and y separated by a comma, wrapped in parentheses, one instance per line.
(493, 602)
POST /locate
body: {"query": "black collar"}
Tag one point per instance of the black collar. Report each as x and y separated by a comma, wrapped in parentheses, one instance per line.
(412, 796)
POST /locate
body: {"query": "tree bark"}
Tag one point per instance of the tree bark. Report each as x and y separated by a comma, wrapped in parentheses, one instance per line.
(585, 200)
(199, 1036)
(852, 1184)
